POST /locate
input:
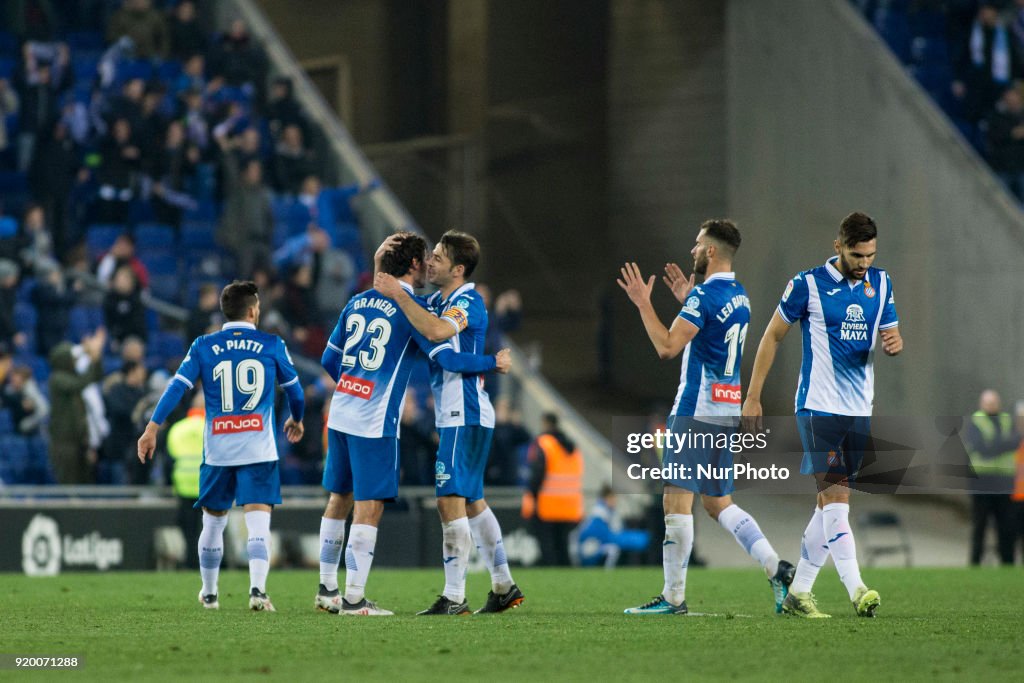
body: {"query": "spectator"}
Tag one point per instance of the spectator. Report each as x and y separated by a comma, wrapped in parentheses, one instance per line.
(123, 311)
(504, 317)
(29, 409)
(188, 39)
(8, 298)
(53, 300)
(334, 271)
(293, 163)
(325, 207)
(39, 86)
(118, 464)
(122, 252)
(1006, 141)
(121, 159)
(55, 166)
(247, 226)
(986, 66)
(145, 25)
(172, 168)
(128, 105)
(206, 316)
(197, 127)
(992, 443)
(133, 352)
(193, 76)
(9, 105)
(238, 60)
(69, 431)
(300, 311)
(602, 538)
(554, 497)
(36, 240)
(283, 110)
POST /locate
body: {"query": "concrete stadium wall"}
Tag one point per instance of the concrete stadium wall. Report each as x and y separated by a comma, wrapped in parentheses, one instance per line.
(823, 121)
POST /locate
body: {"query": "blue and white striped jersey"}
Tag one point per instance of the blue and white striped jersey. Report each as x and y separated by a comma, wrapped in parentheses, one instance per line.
(460, 400)
(840, 321)
(238, 367)
(371, 353)
(709, 382)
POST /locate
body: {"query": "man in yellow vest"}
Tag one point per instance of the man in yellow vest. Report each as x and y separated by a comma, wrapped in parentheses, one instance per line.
(992, 443)
(555, 490)
(185, 446)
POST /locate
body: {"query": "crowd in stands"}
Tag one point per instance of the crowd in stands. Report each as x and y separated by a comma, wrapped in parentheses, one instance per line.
(144, 155)
(969, 56)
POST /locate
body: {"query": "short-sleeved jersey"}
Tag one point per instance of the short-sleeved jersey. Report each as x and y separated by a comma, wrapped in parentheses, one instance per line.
(840, 321)
(238, 366)
(460, 400)
(709, 383)
(378, 347)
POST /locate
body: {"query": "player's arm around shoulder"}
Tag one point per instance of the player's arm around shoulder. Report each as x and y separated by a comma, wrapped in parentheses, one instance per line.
(425, 322)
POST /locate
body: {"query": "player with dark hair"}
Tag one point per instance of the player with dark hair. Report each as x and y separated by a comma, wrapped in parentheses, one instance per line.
(465, 422)
(711, 327)
(370, 356)
(842, 306)
(238, 367)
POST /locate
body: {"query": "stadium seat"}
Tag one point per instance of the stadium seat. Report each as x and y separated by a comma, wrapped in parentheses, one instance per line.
(882, 533)
(139, 68)
(154, 236)
(166, 346)
(159, 261)
(198, 234)
(165, 287)
(207, 208)
(99, 238)
(84, 320)
(7, 68)
(84, 40)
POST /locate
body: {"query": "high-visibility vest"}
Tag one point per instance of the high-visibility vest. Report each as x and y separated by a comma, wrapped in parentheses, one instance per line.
(560, 498)
(1018, 483)
(185, 445)
(1002, 465)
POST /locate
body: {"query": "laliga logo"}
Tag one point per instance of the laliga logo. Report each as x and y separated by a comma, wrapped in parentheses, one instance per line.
(231, 424)
(354, 386)
(40, 547)
(854, 314)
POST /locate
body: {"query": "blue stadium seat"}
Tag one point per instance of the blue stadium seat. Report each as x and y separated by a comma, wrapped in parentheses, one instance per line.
(7, 68)
(198, 234)
(207, 208)
(84, 320)
(165, 287)
(99, 238)
(166, 345)
(169, 71)
(84, 40)
(84, 69)
(153, 236)
(139, 68)
(159, 261)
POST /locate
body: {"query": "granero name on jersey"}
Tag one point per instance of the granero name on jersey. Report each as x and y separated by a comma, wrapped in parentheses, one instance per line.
(383, 305)
(738, 301)
(238, 345)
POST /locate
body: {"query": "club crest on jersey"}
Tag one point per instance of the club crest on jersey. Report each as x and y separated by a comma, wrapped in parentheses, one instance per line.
(869, 291)
(355, 386)
(234, 424)
(725, 393)
(855, 327)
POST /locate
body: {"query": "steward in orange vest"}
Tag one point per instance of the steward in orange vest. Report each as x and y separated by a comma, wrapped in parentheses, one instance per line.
(554, 494)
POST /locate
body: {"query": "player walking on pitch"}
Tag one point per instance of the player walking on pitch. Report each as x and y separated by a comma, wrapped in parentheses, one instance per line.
(842, 307)
(238, 367)
(370, 356)
(465, 423)
(711, 328)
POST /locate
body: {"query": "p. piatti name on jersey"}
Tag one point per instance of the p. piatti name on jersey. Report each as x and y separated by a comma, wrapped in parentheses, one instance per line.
(239, 366)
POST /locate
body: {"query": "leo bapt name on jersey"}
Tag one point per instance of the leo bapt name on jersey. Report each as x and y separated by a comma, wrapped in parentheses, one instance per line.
(667, 440)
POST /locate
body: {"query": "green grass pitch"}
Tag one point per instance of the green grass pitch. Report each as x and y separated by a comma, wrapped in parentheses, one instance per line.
(933, 624)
